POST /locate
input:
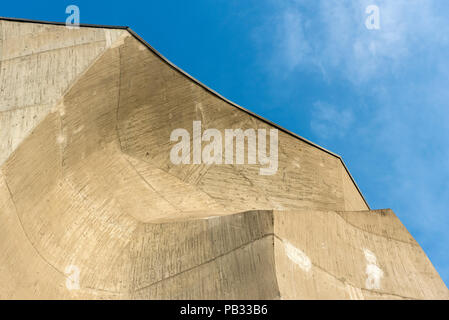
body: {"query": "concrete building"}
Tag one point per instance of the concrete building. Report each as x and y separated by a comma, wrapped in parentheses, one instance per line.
(92, 207)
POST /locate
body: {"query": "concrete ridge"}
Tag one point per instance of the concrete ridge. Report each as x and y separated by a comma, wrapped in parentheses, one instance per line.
(140, 39)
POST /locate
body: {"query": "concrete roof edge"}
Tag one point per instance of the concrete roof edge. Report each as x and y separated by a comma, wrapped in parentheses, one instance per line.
(61, 23)
(134, 34)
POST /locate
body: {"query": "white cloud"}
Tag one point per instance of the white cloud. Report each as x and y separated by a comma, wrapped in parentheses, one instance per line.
(292, 39)
(335, 37)
(328, 121)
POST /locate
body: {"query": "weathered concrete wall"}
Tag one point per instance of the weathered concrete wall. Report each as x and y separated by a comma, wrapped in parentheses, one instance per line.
(86, 181)
(351, 255)
(253, 255)
(38, 65)
(156, 99)
(352, 199)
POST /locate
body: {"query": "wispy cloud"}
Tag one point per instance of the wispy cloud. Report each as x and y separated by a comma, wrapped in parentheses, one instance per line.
(336, 39)
(292, 40)
(328, 121)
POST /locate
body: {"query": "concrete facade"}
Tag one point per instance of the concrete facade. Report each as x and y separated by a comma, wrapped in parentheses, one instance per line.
(86, 181)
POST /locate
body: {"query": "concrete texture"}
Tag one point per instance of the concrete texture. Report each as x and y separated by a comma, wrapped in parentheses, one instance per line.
(86, 181)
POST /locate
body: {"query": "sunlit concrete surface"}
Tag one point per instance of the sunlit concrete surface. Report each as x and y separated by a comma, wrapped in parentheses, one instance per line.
(91, 207)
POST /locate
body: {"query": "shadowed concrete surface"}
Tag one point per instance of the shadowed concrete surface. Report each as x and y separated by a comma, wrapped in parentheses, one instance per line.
(86, 181)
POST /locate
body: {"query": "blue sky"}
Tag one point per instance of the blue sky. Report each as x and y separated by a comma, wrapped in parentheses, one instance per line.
(379, 98)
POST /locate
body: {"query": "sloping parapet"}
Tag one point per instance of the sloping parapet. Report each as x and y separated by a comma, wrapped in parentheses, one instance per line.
(156, 99)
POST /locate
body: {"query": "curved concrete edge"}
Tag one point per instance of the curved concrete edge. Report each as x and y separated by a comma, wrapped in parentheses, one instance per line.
(140, 39)
(266, 255)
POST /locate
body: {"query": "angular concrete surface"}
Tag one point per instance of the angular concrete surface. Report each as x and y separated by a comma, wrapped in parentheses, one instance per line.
(86, 181)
